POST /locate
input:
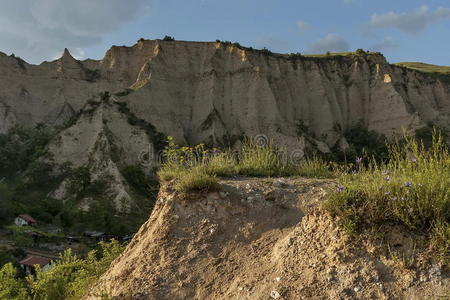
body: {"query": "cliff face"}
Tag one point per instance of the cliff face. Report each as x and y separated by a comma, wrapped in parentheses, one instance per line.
(209, 92)
(198, 91)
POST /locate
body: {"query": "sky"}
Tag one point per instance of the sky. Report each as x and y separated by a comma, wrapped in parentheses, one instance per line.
(403, 30)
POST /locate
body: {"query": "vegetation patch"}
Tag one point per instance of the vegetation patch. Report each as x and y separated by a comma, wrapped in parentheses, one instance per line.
(411, 189)
(157, 138)
(71, 277)
(439, 72)
(185, 164)
(168, 38)
(144, 184)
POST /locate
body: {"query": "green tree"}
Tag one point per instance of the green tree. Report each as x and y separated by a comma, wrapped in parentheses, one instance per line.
(71, 276)
(10, 286)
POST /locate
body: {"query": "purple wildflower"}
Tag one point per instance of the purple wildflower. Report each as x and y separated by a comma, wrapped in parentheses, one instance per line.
(359, 160)
(340, 188)
(414, 160)
(408, 184)
(387, 178)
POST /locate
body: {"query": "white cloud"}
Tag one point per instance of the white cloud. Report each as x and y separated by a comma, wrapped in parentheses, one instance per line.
(331, 42)
(38, 30)
(411, 22)
(303, 26)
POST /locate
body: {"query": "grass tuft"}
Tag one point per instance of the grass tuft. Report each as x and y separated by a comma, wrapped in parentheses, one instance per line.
(183, 163)
(195, 179)
(411, 189)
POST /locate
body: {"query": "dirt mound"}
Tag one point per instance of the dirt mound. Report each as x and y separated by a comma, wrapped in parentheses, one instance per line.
(260, 239)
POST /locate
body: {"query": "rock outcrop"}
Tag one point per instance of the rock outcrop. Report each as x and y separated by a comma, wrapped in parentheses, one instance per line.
(210, 92)
(197, 91)
(263, 239)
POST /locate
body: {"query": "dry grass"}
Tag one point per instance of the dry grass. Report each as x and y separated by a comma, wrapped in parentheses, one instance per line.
(184, 163)
(423, 67)
(412, 189)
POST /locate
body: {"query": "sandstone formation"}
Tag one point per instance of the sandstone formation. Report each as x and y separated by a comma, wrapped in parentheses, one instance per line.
(209, 92)
(195, 91)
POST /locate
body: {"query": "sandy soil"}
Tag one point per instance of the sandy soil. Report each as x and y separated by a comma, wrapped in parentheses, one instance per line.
(265, 239)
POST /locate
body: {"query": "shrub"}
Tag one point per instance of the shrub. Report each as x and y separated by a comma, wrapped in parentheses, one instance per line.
(360, 51)
(10, 286)
(141, 182)
(365, 143)
(425, 134)
(21, 146)
(168, 38)
(411, 189)
(71, 276)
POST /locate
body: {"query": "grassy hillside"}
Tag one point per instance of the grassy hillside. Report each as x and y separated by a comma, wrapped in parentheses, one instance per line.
(423, 67)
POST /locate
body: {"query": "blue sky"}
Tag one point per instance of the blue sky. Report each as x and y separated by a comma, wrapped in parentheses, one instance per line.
(404, 30)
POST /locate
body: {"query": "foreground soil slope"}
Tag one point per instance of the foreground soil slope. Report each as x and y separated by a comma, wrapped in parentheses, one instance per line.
(262, 239)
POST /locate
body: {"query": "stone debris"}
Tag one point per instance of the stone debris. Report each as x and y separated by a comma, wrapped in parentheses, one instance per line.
(275, 295)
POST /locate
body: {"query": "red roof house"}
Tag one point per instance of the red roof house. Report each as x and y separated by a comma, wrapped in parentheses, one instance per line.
(30, 261)
(25, 219)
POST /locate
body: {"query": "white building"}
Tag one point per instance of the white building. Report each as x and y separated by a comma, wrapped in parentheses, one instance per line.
(25, 220)
(29, 263)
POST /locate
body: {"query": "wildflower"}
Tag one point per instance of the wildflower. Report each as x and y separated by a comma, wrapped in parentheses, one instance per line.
(408, 184)
(394, 198)
(414, 160)
(340, 188)
(387, 193)
(359, 160)
(403, 199)
(386, 172)
(420, 185)
(387, 178)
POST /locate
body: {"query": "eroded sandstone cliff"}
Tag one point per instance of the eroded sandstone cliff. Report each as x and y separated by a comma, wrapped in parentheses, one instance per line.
(200, 90)
(209, 92)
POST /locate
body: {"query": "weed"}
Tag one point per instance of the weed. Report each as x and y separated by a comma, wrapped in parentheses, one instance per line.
(411, 189)
(184, 163)
(195, 179)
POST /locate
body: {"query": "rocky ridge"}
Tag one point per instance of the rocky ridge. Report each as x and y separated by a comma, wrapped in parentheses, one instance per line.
(209, 92)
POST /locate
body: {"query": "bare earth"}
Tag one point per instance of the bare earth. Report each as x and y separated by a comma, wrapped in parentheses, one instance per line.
(265, 239)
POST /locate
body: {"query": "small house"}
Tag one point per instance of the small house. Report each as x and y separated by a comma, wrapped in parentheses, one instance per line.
(25, 220)
(28, 264)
